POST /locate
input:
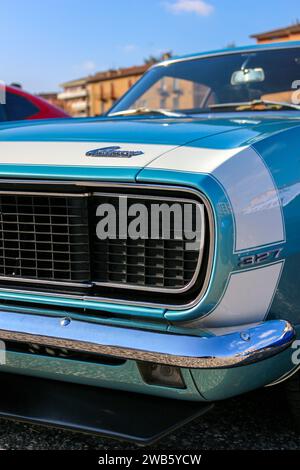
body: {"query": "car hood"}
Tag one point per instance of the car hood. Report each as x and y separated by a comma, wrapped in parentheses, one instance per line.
(57, 149)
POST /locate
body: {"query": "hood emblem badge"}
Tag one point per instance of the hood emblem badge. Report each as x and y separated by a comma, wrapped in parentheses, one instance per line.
(115, 152)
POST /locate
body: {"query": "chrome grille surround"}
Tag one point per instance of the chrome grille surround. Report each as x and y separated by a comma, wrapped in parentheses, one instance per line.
(165, 263)
(90, 187)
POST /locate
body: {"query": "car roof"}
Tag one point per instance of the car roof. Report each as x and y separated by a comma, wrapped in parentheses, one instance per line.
(231, 50)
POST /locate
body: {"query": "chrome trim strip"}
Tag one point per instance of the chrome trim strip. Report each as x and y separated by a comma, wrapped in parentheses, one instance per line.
(42, 193)
(102, 184)
(174, 290)
(25, 280)
(45, 294)
(235, 348)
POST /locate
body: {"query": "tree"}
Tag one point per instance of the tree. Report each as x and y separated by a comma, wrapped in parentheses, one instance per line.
(152, 59)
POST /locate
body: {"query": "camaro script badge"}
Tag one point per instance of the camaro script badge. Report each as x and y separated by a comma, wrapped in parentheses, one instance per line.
(115, 152)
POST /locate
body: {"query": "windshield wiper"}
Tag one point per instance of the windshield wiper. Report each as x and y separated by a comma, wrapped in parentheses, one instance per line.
(251, 104)
(137, 111)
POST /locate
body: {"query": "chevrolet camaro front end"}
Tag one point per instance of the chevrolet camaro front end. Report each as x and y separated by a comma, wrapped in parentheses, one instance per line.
(102, 310)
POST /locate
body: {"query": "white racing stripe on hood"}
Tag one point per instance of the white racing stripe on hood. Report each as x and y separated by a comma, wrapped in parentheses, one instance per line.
(73, 154)
(195, 159)
(248, 184)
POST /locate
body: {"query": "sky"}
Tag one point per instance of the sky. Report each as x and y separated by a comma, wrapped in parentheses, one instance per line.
(47, 42)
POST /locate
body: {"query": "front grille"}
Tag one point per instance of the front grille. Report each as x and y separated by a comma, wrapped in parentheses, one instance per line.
(44, 237)
(146, 263)
(149, 263)
(48, 242)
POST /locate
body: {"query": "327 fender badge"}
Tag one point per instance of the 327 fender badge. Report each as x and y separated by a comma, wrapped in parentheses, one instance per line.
(251, 260)
(115, 152)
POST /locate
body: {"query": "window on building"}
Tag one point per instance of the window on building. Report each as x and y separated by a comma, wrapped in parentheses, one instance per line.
(201, 94)
(176, 85)
(176, 102)
(168, 93)
(162, 103)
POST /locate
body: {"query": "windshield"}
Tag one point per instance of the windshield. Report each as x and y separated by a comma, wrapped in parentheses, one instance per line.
(257, 79)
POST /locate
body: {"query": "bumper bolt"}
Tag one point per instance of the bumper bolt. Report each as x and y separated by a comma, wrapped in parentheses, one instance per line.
(245, 336)
(65, 321)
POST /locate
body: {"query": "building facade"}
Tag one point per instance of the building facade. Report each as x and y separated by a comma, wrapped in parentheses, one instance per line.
(94, 95)
(105, 88)
(174, 94)
(74, 98)
(52, 98)
(290, 33)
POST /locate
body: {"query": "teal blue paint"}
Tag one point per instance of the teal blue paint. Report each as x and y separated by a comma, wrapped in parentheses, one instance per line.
(146, 131)
(281, 152)
(119, 377)
(121, 309)
(246, 136)
(159, 131)
(219, 384)
(117, 174)
(145, 322)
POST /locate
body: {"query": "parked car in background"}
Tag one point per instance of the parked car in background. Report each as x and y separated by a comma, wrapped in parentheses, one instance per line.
(21, 105)
(131, 330)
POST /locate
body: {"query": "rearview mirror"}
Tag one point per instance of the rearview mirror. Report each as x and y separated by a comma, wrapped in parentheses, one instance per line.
(242, 77)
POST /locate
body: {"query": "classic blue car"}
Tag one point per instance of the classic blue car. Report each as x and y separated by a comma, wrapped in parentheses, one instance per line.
(115, 324)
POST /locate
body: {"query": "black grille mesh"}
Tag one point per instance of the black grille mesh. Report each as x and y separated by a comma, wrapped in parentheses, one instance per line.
(149, 263)
(44, 238)
(159, 264)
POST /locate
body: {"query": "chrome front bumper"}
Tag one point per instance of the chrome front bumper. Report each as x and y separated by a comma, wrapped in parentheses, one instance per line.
(246, 345)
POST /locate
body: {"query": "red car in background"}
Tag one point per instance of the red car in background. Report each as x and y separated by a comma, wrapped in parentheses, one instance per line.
(21, 105)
